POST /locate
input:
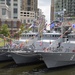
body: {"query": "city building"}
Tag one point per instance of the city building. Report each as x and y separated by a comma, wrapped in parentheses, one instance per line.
(14, 7)
(52, 11)
(27, 17)
(65, 12)
(28, 11)
(29, 5)
(68, 5)
(10, 14)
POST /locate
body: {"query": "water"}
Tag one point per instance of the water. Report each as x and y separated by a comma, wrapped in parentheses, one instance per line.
(10, 68)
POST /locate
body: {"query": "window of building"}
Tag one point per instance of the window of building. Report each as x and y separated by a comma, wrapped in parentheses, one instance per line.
(3, 11)
(21, 12)
(24, 21)
(28, 13)
(29, 2)
(8, 2)
(15, 17)
(28, 21)
(15, 10)
(2, 1)
(24, 12)
(14, 24)
(15, 4)
(29, 9)
(15, 0)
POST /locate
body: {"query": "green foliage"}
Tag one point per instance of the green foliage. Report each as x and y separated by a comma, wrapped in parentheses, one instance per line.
(4, 30)
(22, 28)
(29, 29)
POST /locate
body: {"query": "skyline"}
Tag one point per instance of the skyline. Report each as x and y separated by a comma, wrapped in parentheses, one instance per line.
(45, 6)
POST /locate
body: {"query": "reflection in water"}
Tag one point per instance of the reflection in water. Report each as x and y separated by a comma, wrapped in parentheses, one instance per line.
(10, 68)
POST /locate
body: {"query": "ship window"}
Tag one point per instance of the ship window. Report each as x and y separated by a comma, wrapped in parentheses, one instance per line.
(29, 35)
(25, 35)
(52, 35)
(72, 36)
(69, 36)
(55, 35)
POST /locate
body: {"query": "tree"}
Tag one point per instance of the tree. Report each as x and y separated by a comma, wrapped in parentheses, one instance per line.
(4, 30)
(22, 28)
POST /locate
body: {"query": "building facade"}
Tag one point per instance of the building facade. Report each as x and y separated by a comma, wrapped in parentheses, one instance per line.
(69, 5)
(52, 11)
(10, 14)
(29, 5)
(14, 7)
(27, 17)
(28, 11)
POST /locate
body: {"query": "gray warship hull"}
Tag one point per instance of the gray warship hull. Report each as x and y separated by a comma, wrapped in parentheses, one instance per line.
(4, 56)
(58, 59)
(22, 58)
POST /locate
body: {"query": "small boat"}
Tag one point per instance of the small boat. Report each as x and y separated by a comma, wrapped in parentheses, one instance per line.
(32, 46)
(4, 54)
(60, 52)
(25, 55)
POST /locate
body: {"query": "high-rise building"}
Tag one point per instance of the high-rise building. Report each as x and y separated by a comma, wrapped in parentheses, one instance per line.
(52, 11)
(14, 7)
(69, 5)
(28, 11)
(10, 14)
(29, 5)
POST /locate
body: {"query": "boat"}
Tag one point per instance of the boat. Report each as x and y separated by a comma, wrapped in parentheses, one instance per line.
(29, 52)
(60, 52)
(4, 54)
(24, 56)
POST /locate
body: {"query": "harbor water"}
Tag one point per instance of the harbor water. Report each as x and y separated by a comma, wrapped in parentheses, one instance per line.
(10, 68)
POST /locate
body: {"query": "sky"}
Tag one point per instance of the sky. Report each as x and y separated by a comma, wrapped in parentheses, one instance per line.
(45, 6)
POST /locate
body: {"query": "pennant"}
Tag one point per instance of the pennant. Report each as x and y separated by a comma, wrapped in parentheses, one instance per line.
(73, 25)
(33, 25)
(41, 43)
(52, 25)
